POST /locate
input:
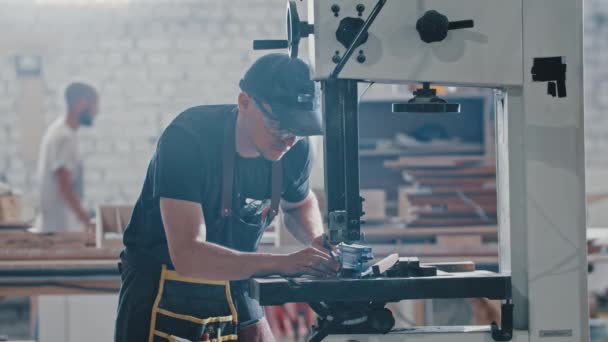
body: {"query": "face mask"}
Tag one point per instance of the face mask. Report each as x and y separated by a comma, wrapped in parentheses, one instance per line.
(85, 118)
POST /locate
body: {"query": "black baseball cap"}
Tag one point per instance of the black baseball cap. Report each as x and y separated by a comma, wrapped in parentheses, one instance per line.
(284, 84)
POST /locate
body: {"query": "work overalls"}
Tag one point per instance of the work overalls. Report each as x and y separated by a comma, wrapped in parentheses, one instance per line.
(190, 307)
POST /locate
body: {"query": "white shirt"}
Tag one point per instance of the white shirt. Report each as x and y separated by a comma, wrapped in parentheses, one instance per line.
(59, 149)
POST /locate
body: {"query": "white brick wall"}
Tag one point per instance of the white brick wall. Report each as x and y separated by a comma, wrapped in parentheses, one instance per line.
(149, 60)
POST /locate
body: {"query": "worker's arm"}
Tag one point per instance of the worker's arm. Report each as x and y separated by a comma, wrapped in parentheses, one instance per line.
(303, 219)
(64, 181)
(193, 258)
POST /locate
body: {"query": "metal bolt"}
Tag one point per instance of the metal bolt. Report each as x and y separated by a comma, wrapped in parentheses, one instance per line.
(336, 58)
(361, 57)
(336, 9)
(360, 8)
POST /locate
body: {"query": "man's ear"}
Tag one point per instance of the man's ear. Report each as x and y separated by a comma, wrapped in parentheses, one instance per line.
(244, 102)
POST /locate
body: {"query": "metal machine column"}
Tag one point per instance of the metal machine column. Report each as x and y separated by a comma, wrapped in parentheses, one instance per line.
(340, 110)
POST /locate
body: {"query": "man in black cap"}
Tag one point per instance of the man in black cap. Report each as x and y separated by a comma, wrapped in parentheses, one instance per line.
(214, 184)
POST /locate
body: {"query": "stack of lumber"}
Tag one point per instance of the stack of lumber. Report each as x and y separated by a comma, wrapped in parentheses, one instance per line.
(442, 191)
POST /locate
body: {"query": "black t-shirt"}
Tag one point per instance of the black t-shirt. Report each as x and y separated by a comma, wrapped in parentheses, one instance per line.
(187, 165)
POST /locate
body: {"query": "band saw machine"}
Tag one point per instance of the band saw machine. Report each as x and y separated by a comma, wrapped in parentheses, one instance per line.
(530, 53)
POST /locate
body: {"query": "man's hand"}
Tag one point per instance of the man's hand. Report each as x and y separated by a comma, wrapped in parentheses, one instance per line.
(310, 260)
(321, 242)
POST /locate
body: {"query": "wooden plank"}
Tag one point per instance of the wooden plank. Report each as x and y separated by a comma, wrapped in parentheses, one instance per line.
(454, 198)
(464, 188)
(438, 211)
(62, 288)
(459, 240)
(423, 150)
(37, 254)
(434, 161)
(108, 262)
(430, 181)
(453, 214)
(474, 171)
(22, 239)
(441, 222)
(453, 267)
(450, 206)
(383, 265)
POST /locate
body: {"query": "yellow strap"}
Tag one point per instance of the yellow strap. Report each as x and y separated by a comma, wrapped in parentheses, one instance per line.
(220, 339)
(225, 338)
(162, 334)
(172, 275)
(195, 319)
(231, 303)
(161, 284)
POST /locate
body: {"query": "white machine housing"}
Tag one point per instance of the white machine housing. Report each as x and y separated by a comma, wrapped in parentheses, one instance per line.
(540, 155)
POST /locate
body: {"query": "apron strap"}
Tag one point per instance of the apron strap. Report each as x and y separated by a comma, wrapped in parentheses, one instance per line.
(277, 186)
(228, 166)
(229, 154)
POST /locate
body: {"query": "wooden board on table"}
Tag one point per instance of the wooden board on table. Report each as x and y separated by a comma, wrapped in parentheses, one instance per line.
(23, 240)
(38, 254)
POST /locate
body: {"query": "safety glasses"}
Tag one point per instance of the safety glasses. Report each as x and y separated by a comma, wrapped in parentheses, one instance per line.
(272, 124)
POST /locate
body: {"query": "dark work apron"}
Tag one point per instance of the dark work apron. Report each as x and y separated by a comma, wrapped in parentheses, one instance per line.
(187, 307)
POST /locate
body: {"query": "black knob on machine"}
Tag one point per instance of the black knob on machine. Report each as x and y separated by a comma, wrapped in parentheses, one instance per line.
(434, 26)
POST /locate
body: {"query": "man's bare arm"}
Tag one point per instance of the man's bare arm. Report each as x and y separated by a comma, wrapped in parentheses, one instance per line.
(64, 180)
(303, 219)
(193, 258)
